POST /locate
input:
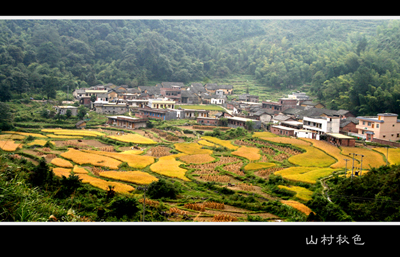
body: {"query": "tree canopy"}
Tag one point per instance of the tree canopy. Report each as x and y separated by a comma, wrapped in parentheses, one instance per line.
(349, 64)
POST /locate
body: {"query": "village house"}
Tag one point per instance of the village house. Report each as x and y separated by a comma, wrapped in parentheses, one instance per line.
(111, 108)
(161, 103)
(282, 105)
(348, 125)
(313, 104)
(248, 98)
(62, 110)
(127, 122)
(138, 103)
(195, 113)
(208, 121)
(218, 99)
(340, 139)
(173, 93)
(161, 114)
(235, 122)
(190, 96)
(212, 88)
(384, 126)
(321, 125)
(282, 130)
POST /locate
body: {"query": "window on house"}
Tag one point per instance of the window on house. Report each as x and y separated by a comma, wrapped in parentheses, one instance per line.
(377, 125)
(369, 123)
(363, 122)
(398, 135)
(384, 136)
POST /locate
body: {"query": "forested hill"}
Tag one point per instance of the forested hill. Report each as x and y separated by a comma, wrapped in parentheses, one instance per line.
(350, 64)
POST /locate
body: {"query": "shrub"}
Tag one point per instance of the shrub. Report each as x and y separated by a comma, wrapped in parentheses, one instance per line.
(161, 188)
(123, 206)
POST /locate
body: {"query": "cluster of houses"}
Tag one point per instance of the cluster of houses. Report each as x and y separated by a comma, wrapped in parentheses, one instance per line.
(295, 115)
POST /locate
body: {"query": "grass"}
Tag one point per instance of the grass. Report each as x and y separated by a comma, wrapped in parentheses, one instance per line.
(169, 166)
(250, 153)
(224, 143)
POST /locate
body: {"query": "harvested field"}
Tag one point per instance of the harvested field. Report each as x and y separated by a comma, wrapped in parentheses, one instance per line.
(159, 151)
(197, 158)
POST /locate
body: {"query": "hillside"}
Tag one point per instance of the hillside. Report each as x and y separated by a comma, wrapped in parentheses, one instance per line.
(38, 57)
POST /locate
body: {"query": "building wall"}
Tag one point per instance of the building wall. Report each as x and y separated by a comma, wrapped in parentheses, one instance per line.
(282, 132)
(202, 121)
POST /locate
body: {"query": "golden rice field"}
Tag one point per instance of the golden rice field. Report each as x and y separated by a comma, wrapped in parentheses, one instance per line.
(11, 137)
(301, 192)
(259, 165)
(134, 138)
(191, 148)
(250, 153)
(9, 145)
(264, 134)
(39, 142)
(137, 177)
(61, 136)
(371, 158)
(394, 154)
(81, 157)
(197, 158)
(299, 206)
(305, 174)
(206, 143)
(79, 170)
(313, 157)
(133, 160)
(61, 163)
(103, 184)
(287, 140)
(225, 143)
(61, 172)
(74, 132)
(331, 150)
(169, 166)
(133, 152)
(24, 134)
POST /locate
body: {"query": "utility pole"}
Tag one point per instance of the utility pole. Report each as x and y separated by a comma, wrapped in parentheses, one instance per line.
(144, 188)
(352, 168)
(345, 174)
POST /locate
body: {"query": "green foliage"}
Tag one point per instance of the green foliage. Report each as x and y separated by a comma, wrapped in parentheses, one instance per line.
(160, 189)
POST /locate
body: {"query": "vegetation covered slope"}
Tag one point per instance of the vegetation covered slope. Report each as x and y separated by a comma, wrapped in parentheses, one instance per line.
(350, 64)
